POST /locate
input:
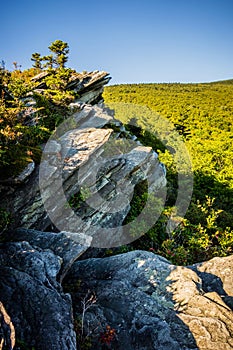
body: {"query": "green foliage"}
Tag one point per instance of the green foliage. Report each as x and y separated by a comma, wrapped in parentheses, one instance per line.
(61, 50)
(36, 58)
(19, 87)
(22, 345)
(48, 61)
(58, 78)
(202, 114)
(19, 140)
(5, 219)
(56, 82)
(50, 114)
(201, 241)
(78, 200)
(13, 154)
(151, 235)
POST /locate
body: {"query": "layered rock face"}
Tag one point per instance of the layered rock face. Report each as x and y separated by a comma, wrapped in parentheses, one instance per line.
(40, 312)
(88, 85)
(94, 157)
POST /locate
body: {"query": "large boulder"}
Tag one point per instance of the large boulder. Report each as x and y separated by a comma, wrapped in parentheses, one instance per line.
(38, 309)
(153, 304)
(66, 245)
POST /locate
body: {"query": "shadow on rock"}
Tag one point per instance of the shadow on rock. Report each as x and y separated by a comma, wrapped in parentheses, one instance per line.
(132, 297)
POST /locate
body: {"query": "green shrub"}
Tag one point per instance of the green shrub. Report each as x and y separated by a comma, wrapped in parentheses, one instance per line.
(5, 219)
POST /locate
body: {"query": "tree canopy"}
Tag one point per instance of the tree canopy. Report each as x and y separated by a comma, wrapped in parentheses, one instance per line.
(203, 115)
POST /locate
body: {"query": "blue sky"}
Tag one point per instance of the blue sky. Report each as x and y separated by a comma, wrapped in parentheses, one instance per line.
(135, 41)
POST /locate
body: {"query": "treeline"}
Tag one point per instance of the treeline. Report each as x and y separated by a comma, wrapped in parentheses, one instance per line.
(203, 115)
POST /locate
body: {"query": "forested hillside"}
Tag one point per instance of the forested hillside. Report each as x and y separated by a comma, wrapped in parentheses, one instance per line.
(203, 116)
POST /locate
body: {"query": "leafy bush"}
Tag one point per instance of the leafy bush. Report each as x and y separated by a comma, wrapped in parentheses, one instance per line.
(5, 219)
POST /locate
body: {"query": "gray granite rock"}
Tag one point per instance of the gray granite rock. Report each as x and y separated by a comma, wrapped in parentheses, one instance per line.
(40, 312)
(90, 153)
(153, 304)
(67, 245)
(88, 85)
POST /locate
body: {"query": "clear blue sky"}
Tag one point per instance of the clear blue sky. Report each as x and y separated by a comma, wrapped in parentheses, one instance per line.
(135, 41)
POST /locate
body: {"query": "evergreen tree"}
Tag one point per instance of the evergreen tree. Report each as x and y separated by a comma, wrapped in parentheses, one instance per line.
(36, 58)
(49, 60)
(61, 50)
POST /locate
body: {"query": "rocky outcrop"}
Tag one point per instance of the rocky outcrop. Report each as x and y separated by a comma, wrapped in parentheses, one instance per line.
(153, 304)
(24, 201)
(82, 189)
(88, 85)
(85, 181)
(79, 197)
(145, 301)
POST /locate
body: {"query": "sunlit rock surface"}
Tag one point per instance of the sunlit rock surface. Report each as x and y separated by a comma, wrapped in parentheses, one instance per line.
(153, 304)
(92, 154)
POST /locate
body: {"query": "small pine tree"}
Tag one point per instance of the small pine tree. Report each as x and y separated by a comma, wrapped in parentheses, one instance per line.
(49, 61)
(36, 58)
(61, 50)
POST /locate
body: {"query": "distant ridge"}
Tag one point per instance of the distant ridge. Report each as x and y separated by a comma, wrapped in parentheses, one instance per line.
(227, 81)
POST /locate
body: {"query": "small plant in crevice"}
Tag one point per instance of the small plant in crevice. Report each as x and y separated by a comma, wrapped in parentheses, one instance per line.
(78, 199)
(84, 342)
(92, 332)
(84, 339)
(5, 219)
(107, 337)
